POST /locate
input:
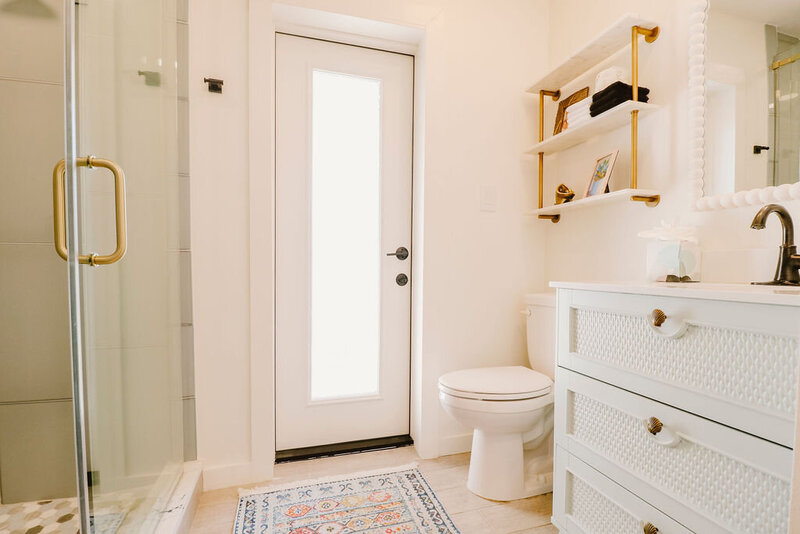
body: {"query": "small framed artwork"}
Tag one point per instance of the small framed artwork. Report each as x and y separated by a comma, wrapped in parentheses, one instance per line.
(601, 174)
(577, 96)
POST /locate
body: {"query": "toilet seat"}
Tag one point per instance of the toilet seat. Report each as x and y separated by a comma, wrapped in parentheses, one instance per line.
(496, 383)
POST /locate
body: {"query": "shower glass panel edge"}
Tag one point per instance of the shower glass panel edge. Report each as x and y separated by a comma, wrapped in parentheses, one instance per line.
(73, 274)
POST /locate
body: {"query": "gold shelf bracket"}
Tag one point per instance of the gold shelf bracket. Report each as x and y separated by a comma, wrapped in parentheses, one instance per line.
(649, 35)
(552, 218)
(650, 200)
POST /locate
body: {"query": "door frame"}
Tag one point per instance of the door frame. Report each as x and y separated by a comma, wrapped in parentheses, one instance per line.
(363, 62)
(265, 19)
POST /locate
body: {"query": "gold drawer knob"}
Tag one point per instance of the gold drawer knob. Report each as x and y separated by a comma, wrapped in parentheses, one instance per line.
(649, 528)
(654, 426)
(657, 317)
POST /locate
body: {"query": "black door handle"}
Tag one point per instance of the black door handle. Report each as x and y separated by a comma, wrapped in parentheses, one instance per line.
(401, 253)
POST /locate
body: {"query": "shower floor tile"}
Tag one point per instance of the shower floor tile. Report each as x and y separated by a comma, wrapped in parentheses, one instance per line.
(59, 516)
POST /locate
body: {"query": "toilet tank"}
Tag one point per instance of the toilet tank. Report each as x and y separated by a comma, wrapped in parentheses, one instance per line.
(540, 310)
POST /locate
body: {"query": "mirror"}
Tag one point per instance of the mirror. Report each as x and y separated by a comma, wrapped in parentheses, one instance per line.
(751, 132)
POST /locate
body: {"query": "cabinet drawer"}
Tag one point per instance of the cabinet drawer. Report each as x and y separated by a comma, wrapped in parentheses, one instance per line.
(587, 502)
(735, 363)
(710, 477)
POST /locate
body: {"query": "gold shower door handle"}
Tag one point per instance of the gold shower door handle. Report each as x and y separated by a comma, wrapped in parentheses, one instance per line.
(59, 211)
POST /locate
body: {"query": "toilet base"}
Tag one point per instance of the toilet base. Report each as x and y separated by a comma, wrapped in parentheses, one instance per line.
(497, 469)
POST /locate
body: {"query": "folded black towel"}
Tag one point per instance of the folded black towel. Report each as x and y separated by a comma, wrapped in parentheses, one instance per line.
(607, 103)
(617, 98)
(616, 89)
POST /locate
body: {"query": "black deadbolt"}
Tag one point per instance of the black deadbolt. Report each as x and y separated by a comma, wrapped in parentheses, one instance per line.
(401, 279)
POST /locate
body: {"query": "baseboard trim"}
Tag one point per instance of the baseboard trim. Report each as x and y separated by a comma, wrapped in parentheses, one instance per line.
(224, 476)
(455, 444)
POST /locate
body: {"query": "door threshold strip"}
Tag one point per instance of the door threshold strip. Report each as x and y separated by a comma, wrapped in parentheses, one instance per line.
(338, 449)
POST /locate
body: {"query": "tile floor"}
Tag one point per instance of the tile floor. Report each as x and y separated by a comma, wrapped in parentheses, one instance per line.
(115, 513)
(446, 475)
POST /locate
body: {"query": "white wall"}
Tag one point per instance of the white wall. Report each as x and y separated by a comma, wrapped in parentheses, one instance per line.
(220, 230)
(479, 58)
(601, 243)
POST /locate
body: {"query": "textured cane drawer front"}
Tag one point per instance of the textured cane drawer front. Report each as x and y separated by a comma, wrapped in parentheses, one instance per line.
(591, 503)
(706, 356)
(745, 367)
(735, 481)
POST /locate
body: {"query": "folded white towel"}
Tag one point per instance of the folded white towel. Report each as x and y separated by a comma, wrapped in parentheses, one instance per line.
(578, 111)
(581, 107)
(572, 123)
(608, 76)
(575, 116)
(583, 104)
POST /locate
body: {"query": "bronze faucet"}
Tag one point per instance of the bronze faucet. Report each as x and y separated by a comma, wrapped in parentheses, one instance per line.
(788, 271)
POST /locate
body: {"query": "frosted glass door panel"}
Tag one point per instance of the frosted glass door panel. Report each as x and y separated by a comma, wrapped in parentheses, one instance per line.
(345, 235)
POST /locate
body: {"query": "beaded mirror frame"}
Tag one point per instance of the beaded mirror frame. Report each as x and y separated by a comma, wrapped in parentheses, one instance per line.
(697, 82)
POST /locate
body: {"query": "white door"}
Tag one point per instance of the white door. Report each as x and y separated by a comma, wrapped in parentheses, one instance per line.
(343, 194)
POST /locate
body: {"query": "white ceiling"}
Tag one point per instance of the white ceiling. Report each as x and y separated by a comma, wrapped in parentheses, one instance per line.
(785, 14)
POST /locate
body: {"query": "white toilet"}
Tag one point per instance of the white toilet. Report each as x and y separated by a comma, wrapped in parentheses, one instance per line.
(511, 412)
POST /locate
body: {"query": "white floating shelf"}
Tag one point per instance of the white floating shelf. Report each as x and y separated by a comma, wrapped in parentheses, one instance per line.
(614, 39)
(615, 196)
(612, 119)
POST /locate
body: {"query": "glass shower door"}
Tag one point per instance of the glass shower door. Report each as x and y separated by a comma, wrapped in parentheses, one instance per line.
(126, 113)
(786, 155)
(90, 371)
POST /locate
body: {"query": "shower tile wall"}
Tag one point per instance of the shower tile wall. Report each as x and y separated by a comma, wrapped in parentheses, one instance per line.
(36, 451)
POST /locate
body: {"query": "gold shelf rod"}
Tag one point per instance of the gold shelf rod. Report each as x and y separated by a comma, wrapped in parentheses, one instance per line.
(649, 36)
(555, 95)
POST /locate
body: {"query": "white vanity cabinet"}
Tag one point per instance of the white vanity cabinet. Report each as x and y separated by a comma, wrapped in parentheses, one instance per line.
(675, 408)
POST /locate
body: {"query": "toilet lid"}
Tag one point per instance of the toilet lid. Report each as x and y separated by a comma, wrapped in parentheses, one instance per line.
(496, 383)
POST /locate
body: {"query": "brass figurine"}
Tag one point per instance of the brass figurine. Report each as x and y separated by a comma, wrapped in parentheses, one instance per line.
(564, 194)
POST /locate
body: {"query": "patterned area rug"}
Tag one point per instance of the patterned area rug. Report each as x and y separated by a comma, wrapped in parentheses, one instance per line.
(393, 501)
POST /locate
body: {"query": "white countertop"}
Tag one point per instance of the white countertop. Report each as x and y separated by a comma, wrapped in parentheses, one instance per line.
(778, 295)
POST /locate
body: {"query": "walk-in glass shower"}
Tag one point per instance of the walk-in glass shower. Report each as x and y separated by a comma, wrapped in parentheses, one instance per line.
(91, 409)
(786, 122)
